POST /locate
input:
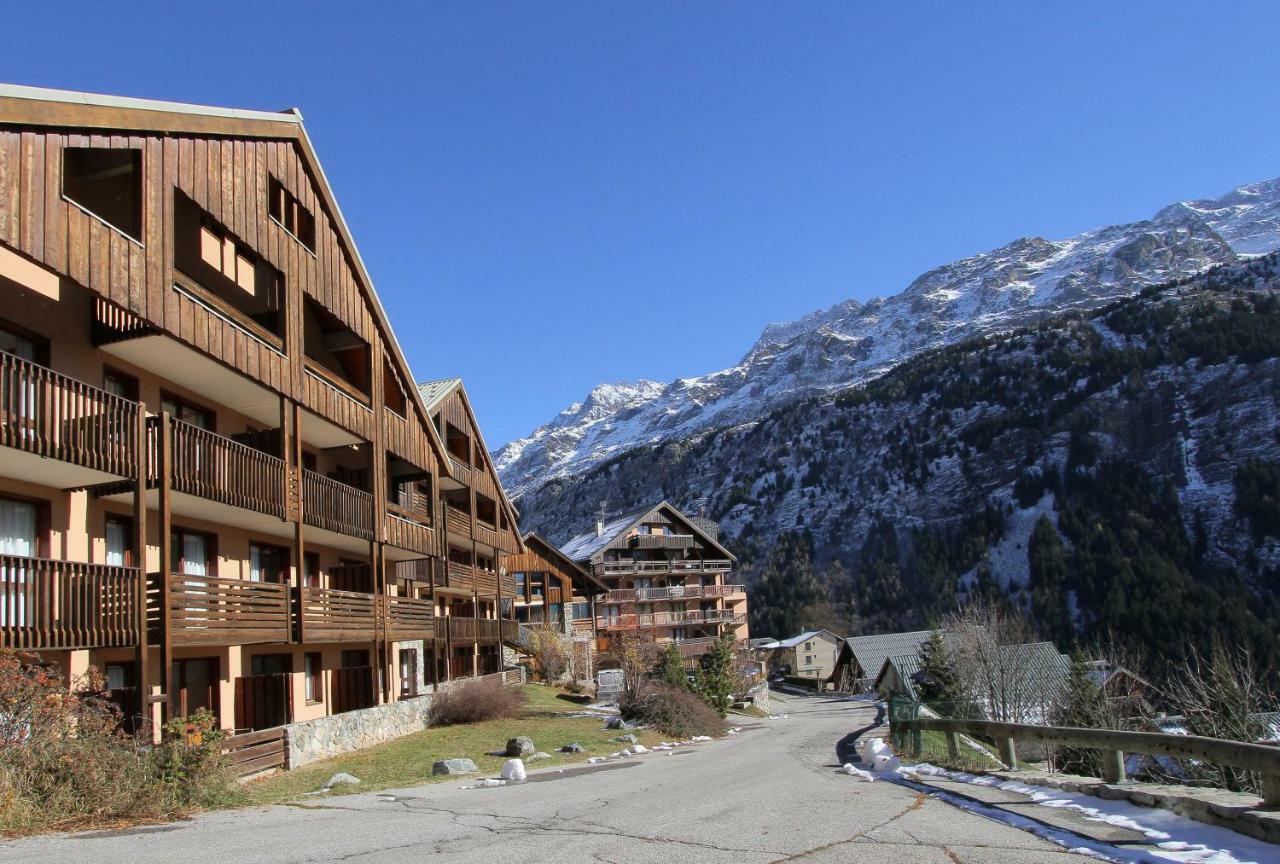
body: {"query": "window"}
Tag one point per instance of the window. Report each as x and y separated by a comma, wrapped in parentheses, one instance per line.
(393, 395)
(311, 570)
(119, 675)
(268, 563)
(24, 344)
(457, 443)
(19, 535)
(231, 273)
(581, 611)
(107, 183)
(271, 664)
(285, 208)
(408, 672)
(313, 677)
(120, 384)
(335, 347)
(118, 532)
(187, 411)
(354, 658)
(191, 552)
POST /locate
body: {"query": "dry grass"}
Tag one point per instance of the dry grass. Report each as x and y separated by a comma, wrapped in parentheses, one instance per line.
(476, 701)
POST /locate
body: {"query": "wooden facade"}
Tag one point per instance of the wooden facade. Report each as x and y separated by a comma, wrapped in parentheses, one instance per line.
(666, 575)
(228, 470)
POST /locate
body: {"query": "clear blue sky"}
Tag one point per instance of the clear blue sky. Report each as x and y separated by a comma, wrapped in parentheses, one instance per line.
(620, 191)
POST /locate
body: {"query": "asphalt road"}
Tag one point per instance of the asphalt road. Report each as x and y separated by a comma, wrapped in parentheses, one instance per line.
(771, 794)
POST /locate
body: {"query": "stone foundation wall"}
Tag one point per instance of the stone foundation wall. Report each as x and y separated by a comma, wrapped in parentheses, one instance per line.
(336, 734)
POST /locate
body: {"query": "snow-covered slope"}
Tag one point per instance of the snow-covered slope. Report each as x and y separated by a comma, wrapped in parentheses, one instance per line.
(851, 342)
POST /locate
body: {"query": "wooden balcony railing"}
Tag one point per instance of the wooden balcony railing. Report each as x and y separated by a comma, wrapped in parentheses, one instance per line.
(330, 615)
(408, 617)
(631, 621)
(510, 631)
(335, 506)
(65, 604)
(409, 530)
(52, 415)
(693, 565)
(215, 467)
(662, 541)
(208, 610)
(487, 534)
(672, 593)
(692, 648)
(462, 629)
(457, 521)
(461, 470)
(488, 630)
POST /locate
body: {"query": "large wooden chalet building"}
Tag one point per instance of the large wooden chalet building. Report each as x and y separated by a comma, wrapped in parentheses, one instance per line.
(219, 484)
(666, 575)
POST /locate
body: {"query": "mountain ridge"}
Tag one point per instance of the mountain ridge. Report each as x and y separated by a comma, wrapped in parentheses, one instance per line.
(849, 342)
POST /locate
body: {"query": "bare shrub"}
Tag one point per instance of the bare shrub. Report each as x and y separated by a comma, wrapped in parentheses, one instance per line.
(63, 764)
(550, 649)
(635, 655)
(474, 701)
(673, 711)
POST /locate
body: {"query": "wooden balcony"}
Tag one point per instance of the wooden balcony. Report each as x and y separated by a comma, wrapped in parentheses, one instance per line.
(510, 631)
(460, 470)
(208, 610)
(407, 617)
(215, 467)
(335, 506)
(632, 621)
(65, 604)
(662, 541)
(329, 615)
(47, 414)
(462, 629)
(693, 565)
(488, 630)
(461, 576)
(409, 530)
(486, 534)
(458, 522)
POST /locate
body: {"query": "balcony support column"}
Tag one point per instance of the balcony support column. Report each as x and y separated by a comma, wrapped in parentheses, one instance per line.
(139, 540)
(291, 445)
(164, 476)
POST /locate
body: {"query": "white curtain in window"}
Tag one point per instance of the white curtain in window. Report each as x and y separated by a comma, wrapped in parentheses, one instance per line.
(255, 564)
(195, 560)
(117, 542)
(17, 537)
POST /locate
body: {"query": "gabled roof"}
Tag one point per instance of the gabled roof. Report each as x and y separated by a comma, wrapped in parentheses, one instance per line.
(580, 575)
(796, 640)
(41, 106)
(905, 666)
(872, 651)
(432, 394)
(590, 545)
(1036, 669)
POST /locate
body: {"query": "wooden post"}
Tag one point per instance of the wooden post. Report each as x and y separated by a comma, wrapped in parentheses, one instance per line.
(291, 444)
(164, 468)
(953, 746)
(1008, 752)
(142, 655)
(1271, 791)
(1112, 766)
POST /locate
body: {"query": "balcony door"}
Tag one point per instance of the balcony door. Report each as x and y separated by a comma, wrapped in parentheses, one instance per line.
(19, 405)
(195, 685)
(19, 526)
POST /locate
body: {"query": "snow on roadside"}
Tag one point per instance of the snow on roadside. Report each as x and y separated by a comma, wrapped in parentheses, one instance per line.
(1174, 838)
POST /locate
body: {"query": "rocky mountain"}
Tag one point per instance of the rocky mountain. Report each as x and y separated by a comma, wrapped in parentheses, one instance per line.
(832, 349)
(1113, 470)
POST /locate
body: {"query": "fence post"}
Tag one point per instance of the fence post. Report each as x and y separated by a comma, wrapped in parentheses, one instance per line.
(1113, 766)
(953, 746)
(1271, 791)
(1008, 752)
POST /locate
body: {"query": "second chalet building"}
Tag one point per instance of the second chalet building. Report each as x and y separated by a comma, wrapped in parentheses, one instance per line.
(219, 484)
(665, 575)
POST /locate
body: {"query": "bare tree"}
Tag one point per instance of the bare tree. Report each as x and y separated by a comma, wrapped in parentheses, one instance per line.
(635, 655)
(1220, 693)
(995, 672)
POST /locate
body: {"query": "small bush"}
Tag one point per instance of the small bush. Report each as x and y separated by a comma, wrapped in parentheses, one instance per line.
(474, 701)
(673, 711)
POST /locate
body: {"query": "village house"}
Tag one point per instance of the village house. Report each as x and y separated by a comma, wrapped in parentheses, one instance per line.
(667, 576)
(861, 658)
(811, 654)
(219, 485)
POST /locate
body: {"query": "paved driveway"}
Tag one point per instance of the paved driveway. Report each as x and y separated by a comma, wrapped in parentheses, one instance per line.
(771, 794)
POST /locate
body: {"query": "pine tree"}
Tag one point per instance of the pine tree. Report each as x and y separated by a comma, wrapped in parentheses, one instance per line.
(939, 684)
(669, 669)
(717, 675)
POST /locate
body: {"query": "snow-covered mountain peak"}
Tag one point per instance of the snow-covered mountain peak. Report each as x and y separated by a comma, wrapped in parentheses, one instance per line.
(832, 348)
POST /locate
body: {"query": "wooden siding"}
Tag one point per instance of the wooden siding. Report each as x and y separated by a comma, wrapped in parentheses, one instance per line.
(453, 410)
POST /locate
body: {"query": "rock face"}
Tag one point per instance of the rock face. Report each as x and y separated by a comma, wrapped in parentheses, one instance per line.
(520, 746)
(454, 766)
(851, 342)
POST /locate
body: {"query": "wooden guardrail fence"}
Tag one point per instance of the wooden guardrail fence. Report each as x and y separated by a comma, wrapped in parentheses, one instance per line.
(1111, 743)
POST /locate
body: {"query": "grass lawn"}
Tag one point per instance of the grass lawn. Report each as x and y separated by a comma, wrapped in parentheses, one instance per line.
(934, 749)
(407, 761)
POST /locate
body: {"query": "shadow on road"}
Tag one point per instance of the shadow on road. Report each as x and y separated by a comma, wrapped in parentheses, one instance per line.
(846, 747)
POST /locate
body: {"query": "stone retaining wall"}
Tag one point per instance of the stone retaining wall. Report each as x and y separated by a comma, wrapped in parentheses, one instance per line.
(336, 734)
